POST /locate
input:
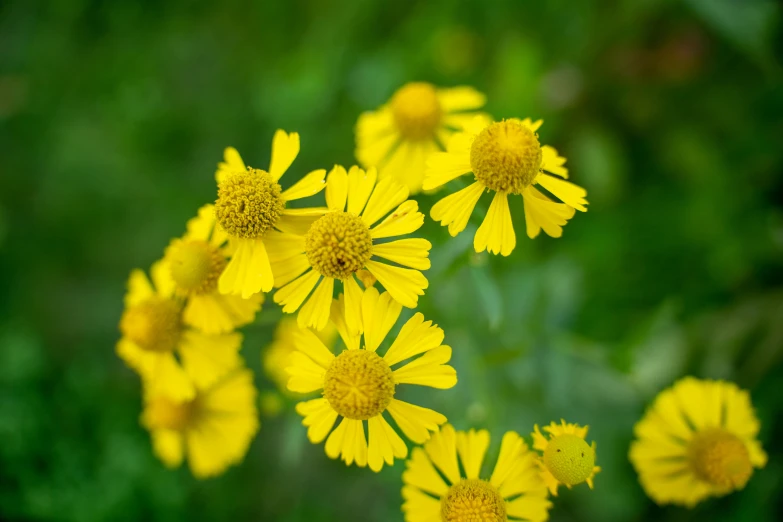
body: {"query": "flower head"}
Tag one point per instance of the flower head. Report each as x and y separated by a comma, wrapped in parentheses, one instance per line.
(347, 241)
(419, 119)
(566, 457)
(251, 204)
(438, 488)
(195, 262)
(214, 428)
(697, 440)
(361, 386)
(504, 157)
(159, 344)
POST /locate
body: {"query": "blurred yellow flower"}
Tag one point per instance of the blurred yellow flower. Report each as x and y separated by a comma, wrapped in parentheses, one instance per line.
(274, 358)
(359, 385)
(505, 157)
(566, 457)
(697, 440)
(251, 204)
(344, 241)
(419, 119)
(195, 262)
(214, 428)
(157, 344)
(438, 488)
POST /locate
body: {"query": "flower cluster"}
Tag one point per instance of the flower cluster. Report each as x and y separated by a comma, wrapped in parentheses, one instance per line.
(348, 265)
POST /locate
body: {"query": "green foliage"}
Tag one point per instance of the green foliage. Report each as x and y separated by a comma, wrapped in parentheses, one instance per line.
(114, 114)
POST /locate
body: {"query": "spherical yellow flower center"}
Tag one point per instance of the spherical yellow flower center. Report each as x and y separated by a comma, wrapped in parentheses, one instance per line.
(248, 204)
(195, 266)
(359, 384)
(472, 500)
(154, 325)
(720, 458)
(338, 244)
(417, 111)
(506, 156)
(570, 459)
(162, 413)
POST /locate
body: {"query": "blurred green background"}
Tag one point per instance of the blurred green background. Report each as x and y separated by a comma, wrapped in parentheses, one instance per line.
(113, 115)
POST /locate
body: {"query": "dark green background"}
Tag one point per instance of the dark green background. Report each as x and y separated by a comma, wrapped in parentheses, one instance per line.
(113, 115)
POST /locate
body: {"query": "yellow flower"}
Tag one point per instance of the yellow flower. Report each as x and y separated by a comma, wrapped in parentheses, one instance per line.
(157, 344)
(251, 204)
(275, 357)
(566, 457)
(437, 488)
(214, 428)
(359, 385)
(504, 157)
(418, 120)
(195, 262)
(344, 241)
(698, 440)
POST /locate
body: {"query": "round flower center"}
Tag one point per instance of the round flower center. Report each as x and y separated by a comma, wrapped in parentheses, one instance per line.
(416, 110)
(248, 204)
(506, 156)
(720, 458)
(195, 266)
(161, 413)
(338, 244)
(154, 324)
(570, 459)
(359, 384)
(472, 500)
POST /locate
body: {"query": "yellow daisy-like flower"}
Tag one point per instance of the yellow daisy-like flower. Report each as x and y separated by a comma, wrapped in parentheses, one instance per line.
(344, 241)
(697, 440)
(169, 356)
(419, 119)
(506, 158)
(195, 262)
(275, 357)
(214, 428)
(251, 204)
(566, 457)
(359, 385)
(438, 489)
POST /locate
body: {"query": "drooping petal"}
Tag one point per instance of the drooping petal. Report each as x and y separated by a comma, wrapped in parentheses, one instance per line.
(404, 284)
(496, 233)
(384, 444)
(319, 417)
(541, 213)
(414, 421)
(249, 271)
(454, 210)
(285, 148)
(291, 296)
(570, 194)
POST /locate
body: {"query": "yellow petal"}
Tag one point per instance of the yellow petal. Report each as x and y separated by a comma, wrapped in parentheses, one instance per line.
(217, 313)
(232, 164)
(526, 507)
(420, 473)
(206, 358)
(161, 278)
(472, 446)
(315, 312)
(384, 444)
(462, 98)
(298, 220)
(388, 194)
(200, 227)
(337, 188)
(311, 184)
(442, 450)
(416, 336)
(353, 305)
(541, 213)
(455, 210)
(429, 370)
(350, 338)
(443, 167)
(420, 507)
(379, 313)
(162, 375)
(168, 446)
(285, 148)
(414, 421)
(249, 271)
(319, 417)
(139, 288)
(552, 162)
(311, 345)
(408, 163)
(360, 186)
(305, 375)
(570, 194)
(496, 233)
(404, 220)
(291, 296)
(411, 252)
(404, 284)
